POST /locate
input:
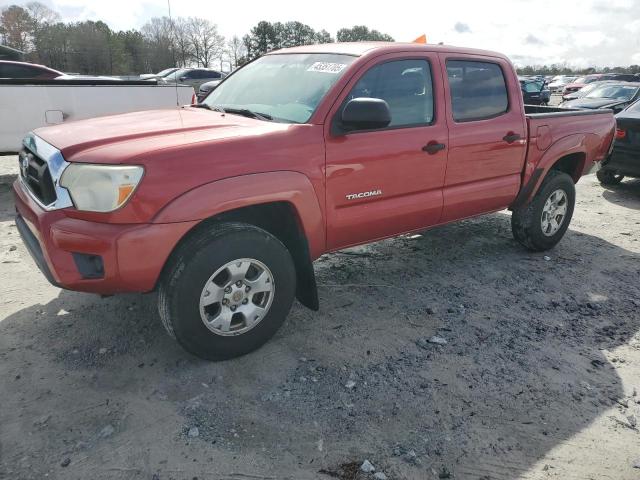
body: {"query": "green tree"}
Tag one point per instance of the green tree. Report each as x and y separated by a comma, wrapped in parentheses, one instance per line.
(361, 33)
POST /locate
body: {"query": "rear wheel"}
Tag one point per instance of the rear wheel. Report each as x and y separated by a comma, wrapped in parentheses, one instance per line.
(607, 176)
(543, 222)
(227, 290)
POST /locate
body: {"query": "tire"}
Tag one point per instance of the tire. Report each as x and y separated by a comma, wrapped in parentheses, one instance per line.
(608, 177)
(527, 222)
(194, 264)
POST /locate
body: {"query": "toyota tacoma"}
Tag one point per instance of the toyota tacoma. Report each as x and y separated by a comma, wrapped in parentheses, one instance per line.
(223, 206)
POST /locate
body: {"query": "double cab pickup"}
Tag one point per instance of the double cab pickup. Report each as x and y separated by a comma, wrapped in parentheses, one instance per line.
(223, 206)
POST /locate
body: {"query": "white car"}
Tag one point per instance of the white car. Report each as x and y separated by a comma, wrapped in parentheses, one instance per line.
(558, 82)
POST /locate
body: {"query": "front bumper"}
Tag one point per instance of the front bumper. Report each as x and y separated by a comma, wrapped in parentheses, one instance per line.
(132, 255)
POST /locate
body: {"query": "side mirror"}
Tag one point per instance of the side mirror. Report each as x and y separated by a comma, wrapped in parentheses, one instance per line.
(183, 78)
(365, 114)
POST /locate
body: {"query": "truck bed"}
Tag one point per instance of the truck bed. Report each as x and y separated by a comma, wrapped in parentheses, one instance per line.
(539, 111)
(561, 129)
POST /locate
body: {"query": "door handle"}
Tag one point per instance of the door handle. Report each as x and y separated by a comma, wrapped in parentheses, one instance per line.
(511, 137)
(433, 147)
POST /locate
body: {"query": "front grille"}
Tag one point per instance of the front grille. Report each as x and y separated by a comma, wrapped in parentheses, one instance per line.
(37, 177)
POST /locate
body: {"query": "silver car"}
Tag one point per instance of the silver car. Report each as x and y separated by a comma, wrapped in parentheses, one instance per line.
(193, 76)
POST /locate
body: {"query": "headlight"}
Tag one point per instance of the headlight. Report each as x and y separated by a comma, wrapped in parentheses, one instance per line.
(100, 188)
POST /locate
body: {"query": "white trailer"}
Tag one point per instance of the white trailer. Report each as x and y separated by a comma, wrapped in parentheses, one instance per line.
(29, 104)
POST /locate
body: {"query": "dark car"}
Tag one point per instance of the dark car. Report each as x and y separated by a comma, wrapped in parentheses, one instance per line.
(535, 91)
(206, 88)
(624, 160)
(9, 69)
(616, 96)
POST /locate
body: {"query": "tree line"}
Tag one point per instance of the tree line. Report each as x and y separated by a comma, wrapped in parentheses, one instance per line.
(92, 47)
(567, 70)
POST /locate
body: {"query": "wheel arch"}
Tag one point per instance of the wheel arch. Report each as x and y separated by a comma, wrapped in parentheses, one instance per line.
(568, 155)
(282, 203)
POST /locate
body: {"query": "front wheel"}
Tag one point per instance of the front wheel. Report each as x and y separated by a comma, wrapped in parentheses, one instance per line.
(227, 290)
(608, 177)
(543, 222)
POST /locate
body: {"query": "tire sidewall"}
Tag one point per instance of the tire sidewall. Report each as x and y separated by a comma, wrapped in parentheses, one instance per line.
(193, 270)
(607, 176)
(563, 182)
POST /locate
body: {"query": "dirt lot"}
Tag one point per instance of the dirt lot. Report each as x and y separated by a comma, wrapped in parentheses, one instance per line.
(539, 377)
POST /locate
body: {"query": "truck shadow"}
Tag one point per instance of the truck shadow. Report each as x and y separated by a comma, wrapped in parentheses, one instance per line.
(626, 193)
(524, 368)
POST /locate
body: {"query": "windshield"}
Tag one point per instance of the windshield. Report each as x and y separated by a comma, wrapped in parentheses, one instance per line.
(165, 72)
(635, 107)
(619, 92)
(176, 74)
(286, 87)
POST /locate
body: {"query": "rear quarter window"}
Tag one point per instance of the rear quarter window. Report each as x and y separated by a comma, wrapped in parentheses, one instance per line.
(478, 90)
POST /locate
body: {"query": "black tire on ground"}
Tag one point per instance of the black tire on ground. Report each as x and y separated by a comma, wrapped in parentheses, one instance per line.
(608, 177)
(190, 268)
(526, 222)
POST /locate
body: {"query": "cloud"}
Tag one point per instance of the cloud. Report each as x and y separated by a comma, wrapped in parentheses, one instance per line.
(462, 27)
(533, 40)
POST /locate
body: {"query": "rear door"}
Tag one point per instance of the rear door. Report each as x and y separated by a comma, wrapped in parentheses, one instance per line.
(383, 182)
(487, 135)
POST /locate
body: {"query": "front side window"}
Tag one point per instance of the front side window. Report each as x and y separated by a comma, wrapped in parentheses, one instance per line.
(478, 90)
(405, 85)
(287, 87)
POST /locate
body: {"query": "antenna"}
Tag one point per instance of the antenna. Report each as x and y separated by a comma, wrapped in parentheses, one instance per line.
(173, 30)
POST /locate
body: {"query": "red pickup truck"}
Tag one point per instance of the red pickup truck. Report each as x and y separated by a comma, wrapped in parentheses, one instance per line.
(224, 205)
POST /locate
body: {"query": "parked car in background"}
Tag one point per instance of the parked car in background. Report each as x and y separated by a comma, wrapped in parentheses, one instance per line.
(580, 82)
(535, 91)
(162, 74)
(194, 77)
(10, 69)
(585, 90)
(624, 160)
(224, 205)
(615, 96)
(205, 88)
(558, 82)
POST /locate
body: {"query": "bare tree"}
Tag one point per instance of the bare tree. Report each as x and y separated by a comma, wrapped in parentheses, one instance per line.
(160, 37)
(41, 14)
(237, 50)
(205, 41)
(182, 41)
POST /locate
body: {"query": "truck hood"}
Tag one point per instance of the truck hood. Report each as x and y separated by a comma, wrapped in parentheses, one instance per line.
(120, 138)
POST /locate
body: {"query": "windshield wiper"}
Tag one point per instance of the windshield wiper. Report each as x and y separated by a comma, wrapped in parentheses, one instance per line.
(249, 113)
(214, 108)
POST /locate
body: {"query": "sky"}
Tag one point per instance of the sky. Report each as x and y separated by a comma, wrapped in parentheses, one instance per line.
(580, 34)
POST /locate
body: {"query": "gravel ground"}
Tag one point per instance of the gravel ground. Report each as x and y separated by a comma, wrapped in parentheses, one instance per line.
(453, 354)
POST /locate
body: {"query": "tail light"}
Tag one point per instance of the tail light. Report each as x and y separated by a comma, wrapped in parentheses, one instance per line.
(620, 133)
(193, 99)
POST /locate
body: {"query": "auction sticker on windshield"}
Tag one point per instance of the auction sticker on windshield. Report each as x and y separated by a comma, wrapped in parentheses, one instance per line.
(326, 67)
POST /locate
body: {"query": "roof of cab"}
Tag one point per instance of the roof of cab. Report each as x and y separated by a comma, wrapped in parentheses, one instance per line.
(362, 48)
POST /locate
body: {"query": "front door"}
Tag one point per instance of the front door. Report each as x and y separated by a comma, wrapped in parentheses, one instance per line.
(388, 181)
(487, 133)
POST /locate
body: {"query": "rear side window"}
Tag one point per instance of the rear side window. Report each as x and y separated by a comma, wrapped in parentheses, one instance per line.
(405, 85)
(478, 90)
